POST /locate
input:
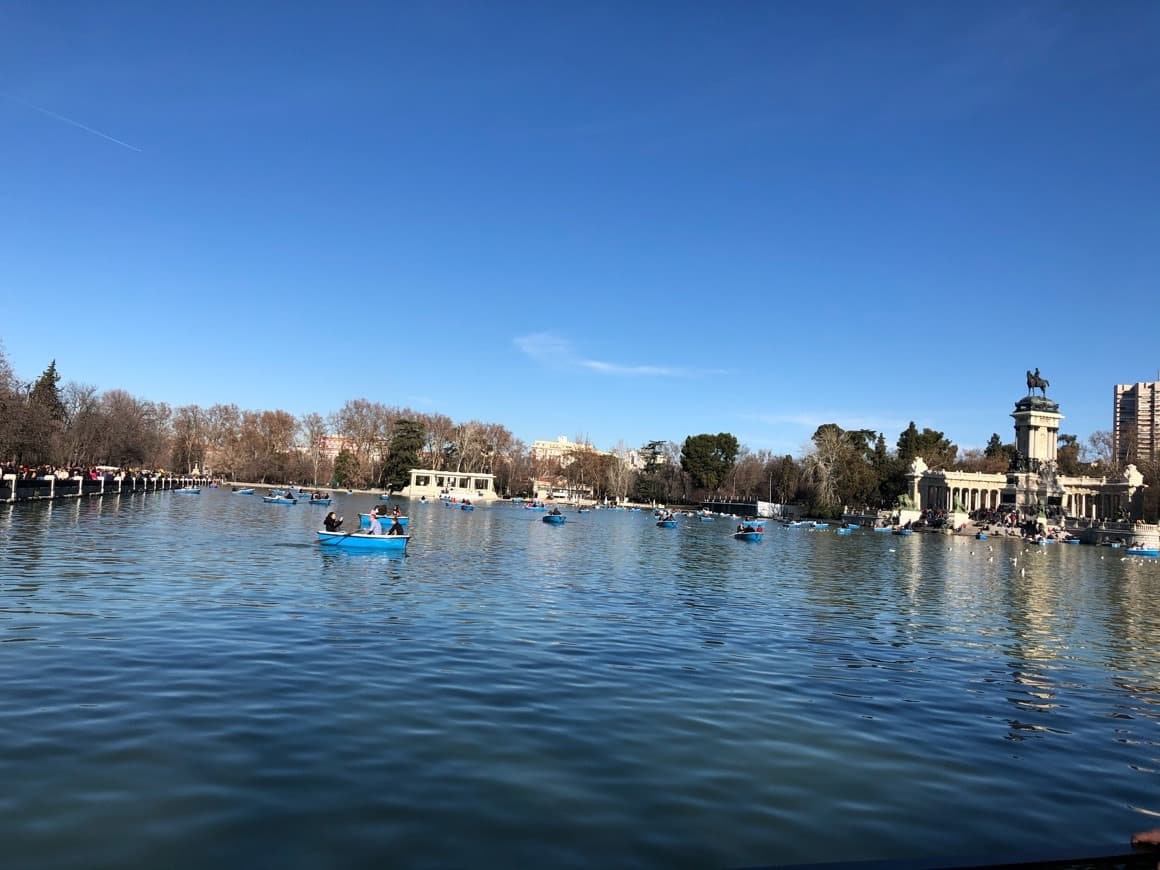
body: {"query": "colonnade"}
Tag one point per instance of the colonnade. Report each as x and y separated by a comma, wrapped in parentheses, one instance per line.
(940, 497)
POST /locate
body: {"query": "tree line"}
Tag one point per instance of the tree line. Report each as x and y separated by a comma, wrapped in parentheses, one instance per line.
(43, 422)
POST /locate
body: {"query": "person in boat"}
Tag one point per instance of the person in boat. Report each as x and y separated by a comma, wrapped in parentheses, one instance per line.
(395, 512)
(396, 528)
(376, 527)
(332, 522)
(554, 512)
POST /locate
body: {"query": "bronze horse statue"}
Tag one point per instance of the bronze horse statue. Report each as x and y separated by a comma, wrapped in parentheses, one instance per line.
(1035, 382)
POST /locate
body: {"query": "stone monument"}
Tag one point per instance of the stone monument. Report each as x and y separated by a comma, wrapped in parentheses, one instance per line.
(1033, 488)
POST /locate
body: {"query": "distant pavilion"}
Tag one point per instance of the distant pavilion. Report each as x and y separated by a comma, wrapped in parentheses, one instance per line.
(428, 483)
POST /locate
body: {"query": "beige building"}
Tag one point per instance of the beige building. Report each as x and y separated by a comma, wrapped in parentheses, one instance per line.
(561, 449)
(1136, 421)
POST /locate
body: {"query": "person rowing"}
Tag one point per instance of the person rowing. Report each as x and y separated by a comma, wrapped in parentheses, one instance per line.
(376, 527)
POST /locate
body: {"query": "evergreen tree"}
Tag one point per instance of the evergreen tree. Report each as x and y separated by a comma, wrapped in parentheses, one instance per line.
(407, 438)
(346, 468)
(46, 393)
(931, 445)
(709, 458)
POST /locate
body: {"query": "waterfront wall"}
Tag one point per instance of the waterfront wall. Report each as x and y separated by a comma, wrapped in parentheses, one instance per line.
(1125, 533)
(14, 489)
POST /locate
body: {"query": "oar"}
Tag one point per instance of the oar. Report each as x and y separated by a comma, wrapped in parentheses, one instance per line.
(333, 541)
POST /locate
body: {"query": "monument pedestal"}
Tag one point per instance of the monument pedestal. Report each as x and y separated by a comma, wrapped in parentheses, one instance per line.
(1033, 488)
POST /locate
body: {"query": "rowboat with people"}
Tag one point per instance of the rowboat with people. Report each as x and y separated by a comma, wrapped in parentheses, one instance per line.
(1142, 550)
(363, 541)
(749, 530)
(364, 520)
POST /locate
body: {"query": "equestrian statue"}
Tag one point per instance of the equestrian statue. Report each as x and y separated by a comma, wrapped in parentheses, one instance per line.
(1035, 382)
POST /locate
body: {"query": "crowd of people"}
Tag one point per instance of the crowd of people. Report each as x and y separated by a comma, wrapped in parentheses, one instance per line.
(75, 472)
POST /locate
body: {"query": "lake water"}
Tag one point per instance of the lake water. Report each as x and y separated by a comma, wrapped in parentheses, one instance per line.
(189, 680)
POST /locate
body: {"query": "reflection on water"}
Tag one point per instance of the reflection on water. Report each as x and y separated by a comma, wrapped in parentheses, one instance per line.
(198, 672)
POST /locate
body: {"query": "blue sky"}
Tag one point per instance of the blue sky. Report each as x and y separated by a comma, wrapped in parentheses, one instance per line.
(612, 220)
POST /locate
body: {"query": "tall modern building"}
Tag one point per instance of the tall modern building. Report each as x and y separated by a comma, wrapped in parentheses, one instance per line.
(1136, 421)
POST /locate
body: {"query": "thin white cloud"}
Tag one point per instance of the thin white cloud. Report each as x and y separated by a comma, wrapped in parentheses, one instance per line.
(846, 419)
(615, 369)
(74, 123)
(554, 350)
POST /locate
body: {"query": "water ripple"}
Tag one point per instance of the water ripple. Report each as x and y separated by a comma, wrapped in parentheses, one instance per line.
(196, 672)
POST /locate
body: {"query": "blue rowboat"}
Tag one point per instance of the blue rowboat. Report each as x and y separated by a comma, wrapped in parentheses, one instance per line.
(666, 524)
(821, 525)
(882, 528)
(902, 531)
(467, 507)
(364, 521)
(384, 496)
(188, 490)
(246, 491)
(278, 499)
(363, 541)
(747, 535)
(1143, 551)
(535, 507)
(554, 519)
(705, 519)
(584, 511)
(1072, 541)
(845, 531)
(980, 536)
(320, 501)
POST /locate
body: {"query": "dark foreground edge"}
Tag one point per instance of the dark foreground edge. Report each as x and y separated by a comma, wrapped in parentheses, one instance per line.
(1140, 858)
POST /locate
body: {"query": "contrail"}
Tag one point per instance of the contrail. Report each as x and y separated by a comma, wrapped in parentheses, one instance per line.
(88, 129)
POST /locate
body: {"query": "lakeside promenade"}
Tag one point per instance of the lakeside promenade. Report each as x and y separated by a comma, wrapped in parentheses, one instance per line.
(14, 488)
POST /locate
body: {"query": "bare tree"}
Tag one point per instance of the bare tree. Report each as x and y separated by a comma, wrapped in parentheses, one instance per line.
(1100, 451)
(135, 432)
(439, 429)
(620, 472)
(467, 446)
(223, 436)
(189, 437)
(366, 427)
(82, 422)
(314, 430)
